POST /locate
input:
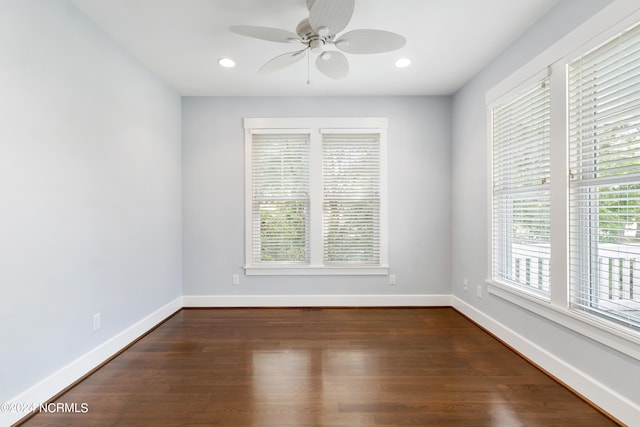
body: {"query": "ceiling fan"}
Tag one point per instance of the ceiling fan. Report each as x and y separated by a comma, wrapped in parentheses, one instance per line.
(317, 32)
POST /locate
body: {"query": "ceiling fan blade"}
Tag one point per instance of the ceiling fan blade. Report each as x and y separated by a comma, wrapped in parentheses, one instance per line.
(333, 64)
(334, 15)
(370, 41)
(265, 33)
(281, 61)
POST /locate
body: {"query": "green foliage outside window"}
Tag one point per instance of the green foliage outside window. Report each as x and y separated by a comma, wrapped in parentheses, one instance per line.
(283, 231)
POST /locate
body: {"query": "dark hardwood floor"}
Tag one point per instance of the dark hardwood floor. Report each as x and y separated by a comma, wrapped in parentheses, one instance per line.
(320, 367)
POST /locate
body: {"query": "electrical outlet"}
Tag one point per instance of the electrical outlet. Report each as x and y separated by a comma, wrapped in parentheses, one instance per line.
(465, 285)
(392, 279)
(235, 279)
(479, 291)
(96, 321)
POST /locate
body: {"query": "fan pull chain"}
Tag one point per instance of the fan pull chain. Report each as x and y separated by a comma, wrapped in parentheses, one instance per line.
(308, 65)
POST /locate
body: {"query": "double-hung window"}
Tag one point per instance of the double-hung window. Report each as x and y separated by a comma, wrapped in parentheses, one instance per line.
(604, 161)
(521, 188)
(316, 196)
(565, 184)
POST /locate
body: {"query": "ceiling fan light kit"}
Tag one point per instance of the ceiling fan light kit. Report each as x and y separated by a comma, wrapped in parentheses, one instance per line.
(318, 32)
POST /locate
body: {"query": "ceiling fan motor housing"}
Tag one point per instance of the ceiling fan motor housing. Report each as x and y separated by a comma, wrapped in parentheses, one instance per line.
(309, 36)
(304, 30)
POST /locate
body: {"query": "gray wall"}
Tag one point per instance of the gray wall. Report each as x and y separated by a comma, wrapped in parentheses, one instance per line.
(213, 194)
(470, 208)
(89, 190)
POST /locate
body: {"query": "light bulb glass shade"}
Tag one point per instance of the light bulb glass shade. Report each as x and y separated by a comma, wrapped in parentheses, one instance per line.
(316, 45)
(323, 31)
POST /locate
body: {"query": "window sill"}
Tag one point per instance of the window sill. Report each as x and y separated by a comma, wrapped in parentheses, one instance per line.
(505, 292)
(606, 333)
(305, 270)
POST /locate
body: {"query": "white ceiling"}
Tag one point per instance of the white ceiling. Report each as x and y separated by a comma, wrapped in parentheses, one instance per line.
(181, 40)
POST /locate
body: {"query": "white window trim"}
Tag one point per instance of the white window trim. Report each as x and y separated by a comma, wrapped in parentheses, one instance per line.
(313, 126)
(610, 21)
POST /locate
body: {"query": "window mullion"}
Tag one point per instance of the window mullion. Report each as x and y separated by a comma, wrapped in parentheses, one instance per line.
(559, 191)
(315, 198)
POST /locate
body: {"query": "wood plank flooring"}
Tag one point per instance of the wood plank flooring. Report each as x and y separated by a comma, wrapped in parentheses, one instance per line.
(320, 367)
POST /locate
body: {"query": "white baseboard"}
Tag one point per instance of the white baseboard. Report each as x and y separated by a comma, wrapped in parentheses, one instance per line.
(610, 401)
(316, 300)
(63, 378)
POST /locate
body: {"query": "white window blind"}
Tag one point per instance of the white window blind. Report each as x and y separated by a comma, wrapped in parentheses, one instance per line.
(280, 175)
(604, 161)
(351, 198)
(316, 196)
(521, 190)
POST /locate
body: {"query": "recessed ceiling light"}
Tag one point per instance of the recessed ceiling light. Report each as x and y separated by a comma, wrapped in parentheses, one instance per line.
(227, 62)
(403, 62)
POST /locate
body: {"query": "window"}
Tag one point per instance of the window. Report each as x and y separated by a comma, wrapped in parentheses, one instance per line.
(564, 148)
(521, 189)
(280, 205)
(351, 198)
(604, 160)
(316, 196)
